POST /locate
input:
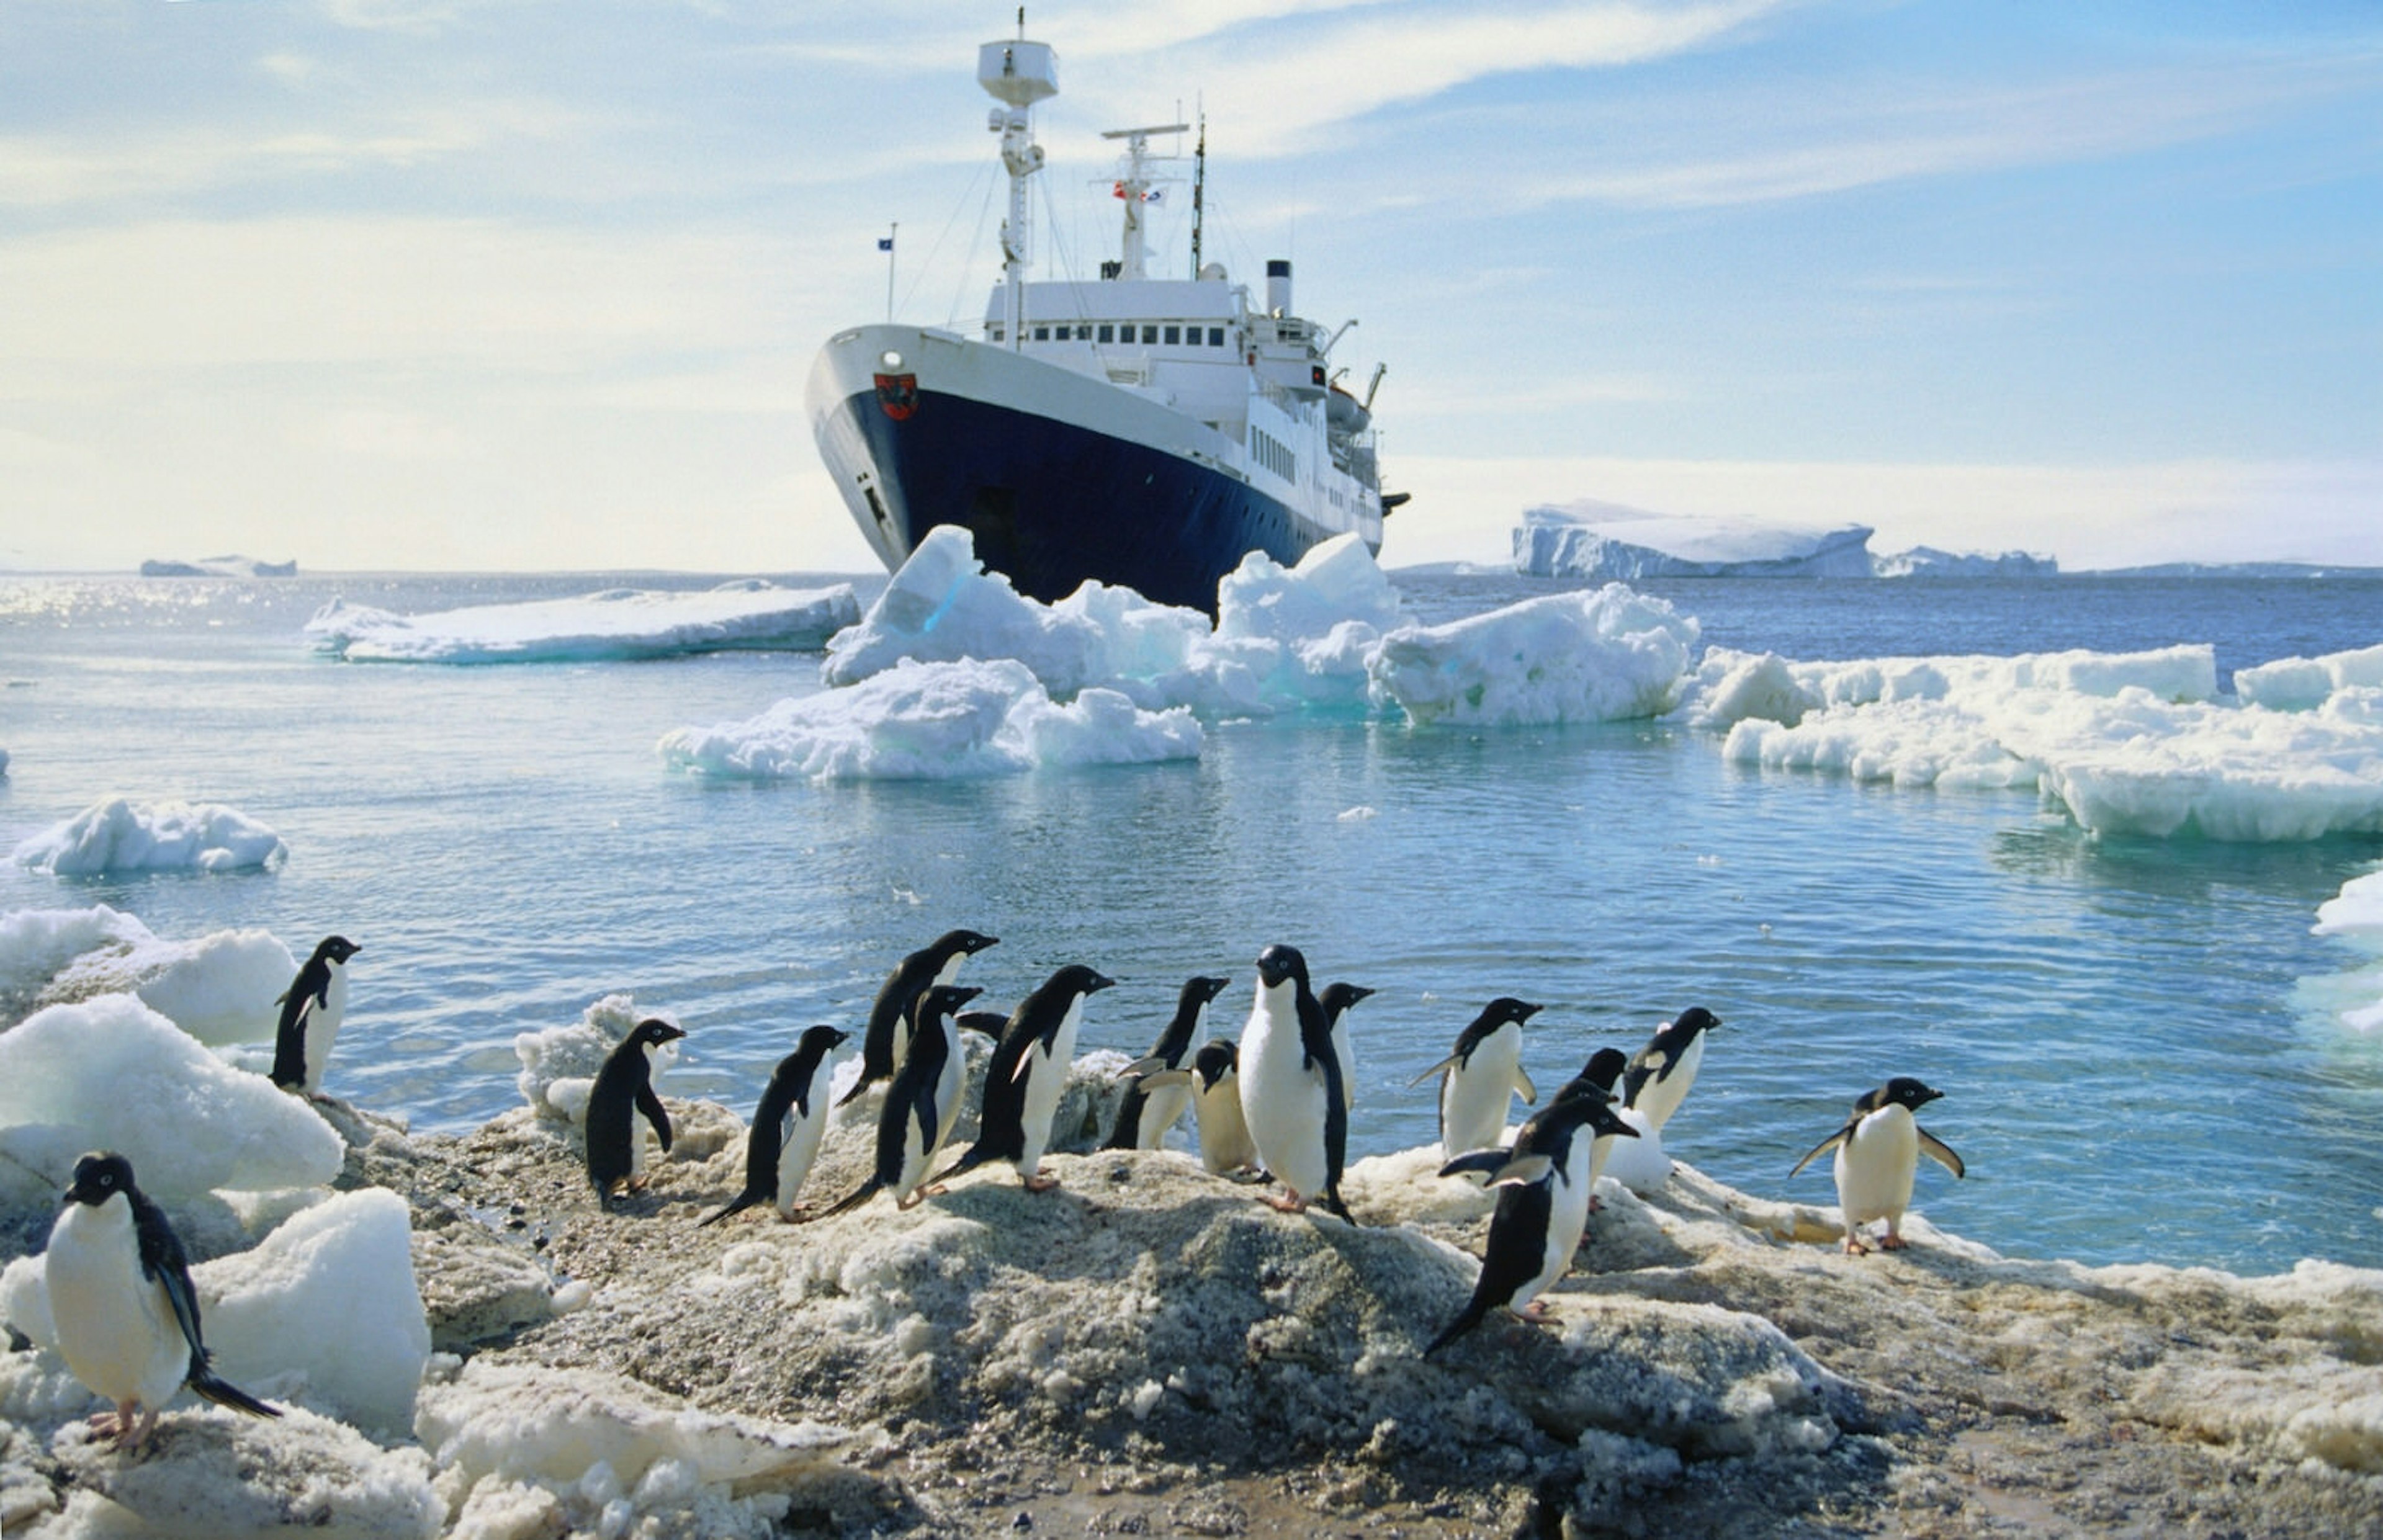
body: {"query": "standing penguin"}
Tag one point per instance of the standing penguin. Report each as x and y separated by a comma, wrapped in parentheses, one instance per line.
(1215, 1085)
(1147, 1113)
(1542, 1211)
(311, 1011)
(887, 1036)
(1596, 1078)
(1660, 1075)
(1485, 1069)
(1292, 1094)
(787, 1126)
(121, 1299)
(1878, 1155)
(1027, 1072)
(921, 1105)
(624, 1086)
(1336, 999)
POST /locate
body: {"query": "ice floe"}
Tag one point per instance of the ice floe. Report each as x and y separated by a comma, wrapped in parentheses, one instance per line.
(2356, 915)
(1602, 655)
(120, 834)
(2306, 683)
(221, 988)
(747, 614)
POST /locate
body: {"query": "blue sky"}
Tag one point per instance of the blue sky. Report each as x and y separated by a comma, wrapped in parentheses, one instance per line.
(437, 284)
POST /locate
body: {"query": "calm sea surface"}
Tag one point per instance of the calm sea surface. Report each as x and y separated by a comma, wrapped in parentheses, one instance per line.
(2130, 1033)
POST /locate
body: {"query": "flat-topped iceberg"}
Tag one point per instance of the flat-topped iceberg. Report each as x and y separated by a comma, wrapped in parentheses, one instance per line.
(1609, 542)
(120, 834)
(749, 614)
(1928, 561)
(220, 566)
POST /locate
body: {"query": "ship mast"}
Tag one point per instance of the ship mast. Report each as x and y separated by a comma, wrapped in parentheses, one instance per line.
(1017, 74)
(1133, 185)
(1199, 191)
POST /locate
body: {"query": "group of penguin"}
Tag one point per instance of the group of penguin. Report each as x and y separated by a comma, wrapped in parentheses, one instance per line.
(1276, 1102)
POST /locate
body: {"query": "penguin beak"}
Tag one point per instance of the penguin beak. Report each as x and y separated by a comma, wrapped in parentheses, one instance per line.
(1100, 981)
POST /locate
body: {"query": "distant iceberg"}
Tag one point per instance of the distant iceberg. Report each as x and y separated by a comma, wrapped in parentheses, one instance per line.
(1606, 542)
(749, 614)
(1928, 561)
(221, 566)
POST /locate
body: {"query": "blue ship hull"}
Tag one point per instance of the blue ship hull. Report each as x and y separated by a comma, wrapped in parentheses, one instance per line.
(1050, 504)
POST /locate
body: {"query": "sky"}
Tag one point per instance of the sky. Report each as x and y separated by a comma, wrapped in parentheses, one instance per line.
(445, 285)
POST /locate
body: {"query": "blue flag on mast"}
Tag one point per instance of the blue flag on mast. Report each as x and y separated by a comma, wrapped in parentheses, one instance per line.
(884, 243)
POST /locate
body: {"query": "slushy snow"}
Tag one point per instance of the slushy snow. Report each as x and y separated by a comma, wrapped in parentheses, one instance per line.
(120, 834)
(221, 988)
(747, 614)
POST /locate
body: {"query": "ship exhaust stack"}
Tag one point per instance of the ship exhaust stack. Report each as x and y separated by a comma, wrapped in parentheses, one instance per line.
(1277, 287)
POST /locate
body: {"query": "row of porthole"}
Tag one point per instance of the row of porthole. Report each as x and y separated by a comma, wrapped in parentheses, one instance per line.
(1152, 333)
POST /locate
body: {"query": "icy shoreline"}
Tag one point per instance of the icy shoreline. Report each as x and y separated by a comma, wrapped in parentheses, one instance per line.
(1150, 1347)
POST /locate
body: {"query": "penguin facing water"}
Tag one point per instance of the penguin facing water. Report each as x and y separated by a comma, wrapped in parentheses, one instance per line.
(312, 1009)
(1660, 1073)
(1542, 1208)
(787, 1126)
(122, 1302)
(921, 1105)
(1148, 1112)
(1477, 1079)
(887, 1036)
(623, 1089)
(1292, 1096)
(1027, 1072)
(1878, 1157)
(1596, 1078)
(1336, 1000)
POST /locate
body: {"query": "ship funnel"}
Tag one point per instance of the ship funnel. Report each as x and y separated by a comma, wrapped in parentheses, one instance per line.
(1278, 286)
(1017, 72)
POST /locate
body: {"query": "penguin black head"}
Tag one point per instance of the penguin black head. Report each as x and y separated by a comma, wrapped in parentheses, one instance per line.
(1280, 963)
(1507, 1008)
(336, 949)
(653, 1032)
(1076, 977)
(1905, 1091)
(817, 1042)
(943, 999)
(1695, 1019)
(1201, 988)
(965, 943)
(1338, 998)
(1604, 1069)
(99, 1177)
(1215, 1060)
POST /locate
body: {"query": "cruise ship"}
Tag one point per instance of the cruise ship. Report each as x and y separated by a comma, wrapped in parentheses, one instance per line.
(1144, 431)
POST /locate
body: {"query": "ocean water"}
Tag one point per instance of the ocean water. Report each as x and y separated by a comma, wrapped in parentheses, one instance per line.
(2132, 1035)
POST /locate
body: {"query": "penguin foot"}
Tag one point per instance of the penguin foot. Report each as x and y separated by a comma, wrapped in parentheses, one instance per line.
(1854, 1246)
(1290, 1202)
(1890, 1241)
(1038, 1182)
(1537, 1313)
(1596, 1204)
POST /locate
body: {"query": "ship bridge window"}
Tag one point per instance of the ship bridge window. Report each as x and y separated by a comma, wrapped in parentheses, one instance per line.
(1215, 336)
(996, 334)
(1149, 336)
(1174, 336)
(1108, 332)
(1042, 334)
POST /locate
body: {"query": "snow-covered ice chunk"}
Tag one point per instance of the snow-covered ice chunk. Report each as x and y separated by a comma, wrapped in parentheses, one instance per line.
(112, 1074)
(1600, 656)
(1607, 541)
(943, 607)
(2356, 911)
(561, 1054)
(2304, 683)
(749, 614)
(220, 988)
(936, 720)
(118, 834)
(1337, 581)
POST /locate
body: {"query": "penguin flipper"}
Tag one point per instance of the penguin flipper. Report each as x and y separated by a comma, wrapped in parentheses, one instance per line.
(1442, 1067)
(1940, 1152)
(651, 1105)
(205, 1383)
(1154, 1065)
(1523, 1083)
(744, 1200)
(1482, 1161)
(1522, 1171)
(1826, 1145)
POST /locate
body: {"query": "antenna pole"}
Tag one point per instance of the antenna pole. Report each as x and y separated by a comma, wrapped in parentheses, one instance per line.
(1199, 191)
(892, 231)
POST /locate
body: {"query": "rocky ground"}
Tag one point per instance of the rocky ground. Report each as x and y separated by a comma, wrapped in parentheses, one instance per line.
(1149, 1350)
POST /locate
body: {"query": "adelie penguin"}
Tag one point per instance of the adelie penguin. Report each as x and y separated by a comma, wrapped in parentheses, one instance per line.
(1598, 1079)
(1216, 1086)
(1542, 1208)
(1337, 1000)
(1878, 1155)
(1660, 1074)
(312, 1009)
(1148, 1112)
(1479, 1077)
(888, 1036)
(1025, 1076)
(121, 1300)
(921, 1105)
(787, 1126)
(624, 1088)
(1292, 1094)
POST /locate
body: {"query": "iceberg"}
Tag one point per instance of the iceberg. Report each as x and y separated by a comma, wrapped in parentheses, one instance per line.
(749, 614)
(118, 834)
(1928, 561)
(1609, 542)
(220, 566)
(221, 989)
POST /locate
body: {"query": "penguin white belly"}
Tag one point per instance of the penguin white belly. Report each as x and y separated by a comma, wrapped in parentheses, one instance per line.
(1224, 1133)
(1282, 1102)
(1161, 1110)
(947, 1089)
(1568, 1218)
(1875, 1166)
(1473, 1095)
(1045, 1078)
(1598, 1148)
(1659, 1099)
(799, 1141)
(116, 1329)
(1341, 1051)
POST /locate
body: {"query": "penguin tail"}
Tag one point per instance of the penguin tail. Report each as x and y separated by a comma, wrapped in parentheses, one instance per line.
(866, 1191)
(959, 1167)
(1470, 1318)
(744, 1200)
(1333, 1205)
(205, 1383)
(858, 1086)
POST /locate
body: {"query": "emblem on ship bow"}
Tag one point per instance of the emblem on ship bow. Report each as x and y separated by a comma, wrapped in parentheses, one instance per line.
(898, 394)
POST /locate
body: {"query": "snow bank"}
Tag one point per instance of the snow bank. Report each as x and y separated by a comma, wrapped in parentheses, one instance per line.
(220, 988)
(747, 614)
(113, 1074)
(1599, 656)
(1607, 541)
(118, 834)
(2128, 742)
(2305, 683)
